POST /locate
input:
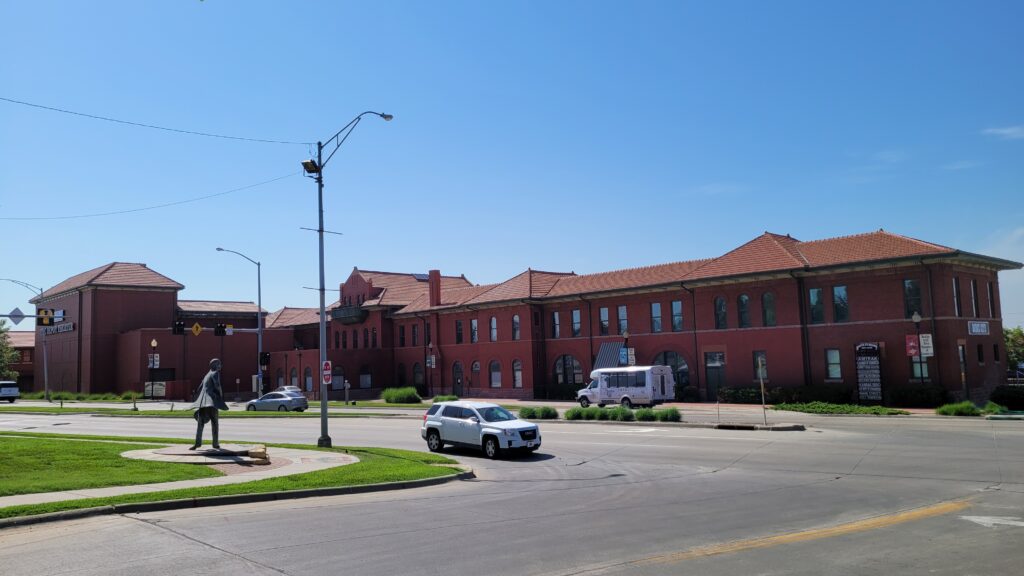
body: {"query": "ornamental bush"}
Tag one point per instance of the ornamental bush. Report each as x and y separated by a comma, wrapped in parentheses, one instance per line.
(965, 408)
(445, 398)
(527, 412)
(547, 413)
(574, 413)
(645, 415)
(405, 395)
(621, 414)
(668, 415)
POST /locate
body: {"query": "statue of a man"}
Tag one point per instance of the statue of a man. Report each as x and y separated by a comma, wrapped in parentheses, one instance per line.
(209, 401)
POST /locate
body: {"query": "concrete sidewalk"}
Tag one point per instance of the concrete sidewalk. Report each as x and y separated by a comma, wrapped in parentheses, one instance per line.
(293, 462)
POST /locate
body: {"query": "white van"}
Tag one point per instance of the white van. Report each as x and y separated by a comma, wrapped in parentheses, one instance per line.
(629, 386)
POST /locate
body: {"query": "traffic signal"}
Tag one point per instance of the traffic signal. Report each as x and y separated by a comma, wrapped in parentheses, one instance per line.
(44, 317)
(220, 330)
(178, 329)
(264, 358)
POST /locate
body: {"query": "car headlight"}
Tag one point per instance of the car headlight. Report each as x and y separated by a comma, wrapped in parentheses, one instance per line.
(510, 432)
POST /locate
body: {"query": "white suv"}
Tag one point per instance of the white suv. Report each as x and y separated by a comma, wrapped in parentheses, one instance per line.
(477, 425)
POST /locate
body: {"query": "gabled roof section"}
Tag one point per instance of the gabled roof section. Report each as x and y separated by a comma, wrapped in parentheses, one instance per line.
(629, 278)
(766, 253)
(115, 274)
(22, 339)
(880, 245)
(401, 288)
(529, 284)
(287, 317)
(217, 307)
(450, 298)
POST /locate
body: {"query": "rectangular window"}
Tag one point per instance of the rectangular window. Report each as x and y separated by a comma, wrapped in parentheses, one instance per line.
(919, 367)
(355, 339)
(415, 335)
(840, 304)
(911, 298)
(981, 354)
(957, 307)
(817, 305)
(974, 298)
(604, 321)
(991, 301)
(473, 332)
(760, 364)
(832, 363)
(494, 329)
(515, 327)
(577, 326)
(995, 352)
(655, 317)
(401, 336)
(677, 315)
(426, 333)
(623, 320)
(556, 329)
(373, 337)
(458, 331)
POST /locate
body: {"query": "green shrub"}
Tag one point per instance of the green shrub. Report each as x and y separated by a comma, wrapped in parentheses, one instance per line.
(128, 395)
(575, 413)
(965, 408)
(593, 413)
(668, 415)
(620, 414)
(602, 414)
(406, 395)
(445, 398)
(917, 395)
(527, 412)
(1012, 397)
(547, 413)
(645, 415)
(993, 408)
(829, 408)
(688, 394)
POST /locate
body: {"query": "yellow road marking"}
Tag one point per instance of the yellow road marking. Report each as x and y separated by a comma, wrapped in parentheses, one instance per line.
(808, 535)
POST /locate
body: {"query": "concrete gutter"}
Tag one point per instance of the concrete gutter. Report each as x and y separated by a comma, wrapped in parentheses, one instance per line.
(710, 425)
(139, 507)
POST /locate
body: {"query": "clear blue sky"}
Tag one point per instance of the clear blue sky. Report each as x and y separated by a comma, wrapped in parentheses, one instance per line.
(581, 136)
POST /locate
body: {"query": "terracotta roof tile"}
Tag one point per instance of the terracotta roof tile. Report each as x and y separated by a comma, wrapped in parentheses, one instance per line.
(402, 288)
(625, 279)
(450, 297)
(768, 252)
(529, 284)
(880, 245)
(287, 317)
(216, 306)
(120, 274)
(22, 339)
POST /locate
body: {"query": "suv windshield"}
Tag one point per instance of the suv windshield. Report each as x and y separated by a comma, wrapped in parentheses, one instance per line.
(495, 414)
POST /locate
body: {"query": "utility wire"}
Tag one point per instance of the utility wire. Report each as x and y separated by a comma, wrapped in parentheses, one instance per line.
(141, 125)
(129, 211)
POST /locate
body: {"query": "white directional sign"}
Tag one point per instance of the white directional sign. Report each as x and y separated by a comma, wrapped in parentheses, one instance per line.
(16, 316)
(992, 521)
(927, 348)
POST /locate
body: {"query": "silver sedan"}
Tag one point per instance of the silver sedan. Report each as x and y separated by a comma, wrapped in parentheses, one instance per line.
(279, 401)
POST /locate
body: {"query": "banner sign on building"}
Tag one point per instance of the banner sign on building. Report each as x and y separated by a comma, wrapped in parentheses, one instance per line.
(913, 345)
(869, 371)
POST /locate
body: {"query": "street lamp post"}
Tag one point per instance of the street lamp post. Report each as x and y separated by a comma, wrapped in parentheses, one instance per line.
(916, 319)
(259, 319)
(46, 364)
(314, 168)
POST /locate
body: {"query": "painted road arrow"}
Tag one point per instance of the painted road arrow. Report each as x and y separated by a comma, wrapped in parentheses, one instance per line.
(991, 521)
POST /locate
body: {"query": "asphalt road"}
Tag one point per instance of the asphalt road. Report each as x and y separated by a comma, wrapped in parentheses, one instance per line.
(847, 496)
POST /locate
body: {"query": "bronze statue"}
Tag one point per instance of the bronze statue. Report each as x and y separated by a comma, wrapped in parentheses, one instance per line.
(209, 401)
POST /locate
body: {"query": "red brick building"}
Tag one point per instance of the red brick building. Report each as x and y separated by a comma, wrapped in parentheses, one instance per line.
(803, 308)
(24, 343)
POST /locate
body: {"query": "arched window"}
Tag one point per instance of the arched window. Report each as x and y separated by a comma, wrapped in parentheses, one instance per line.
(721, 321)
(365, 376)
(355, 339)
(344, 340)
(338, 377)
(743, 310)
(457, 377)
(475, 367)
(373, 338)
(568, 376)
(515, 327)
(495, 374)
(400, 375)
(680, 370)
(768, 309)
(294, 376)
(366, 338)
(280, 377)
(307, 375)
(494, 329)
(337, 339)
(517, 374)
(417, 375)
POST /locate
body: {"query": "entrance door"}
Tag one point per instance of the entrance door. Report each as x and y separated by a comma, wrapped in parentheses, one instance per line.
(714, 369)
(457, 379)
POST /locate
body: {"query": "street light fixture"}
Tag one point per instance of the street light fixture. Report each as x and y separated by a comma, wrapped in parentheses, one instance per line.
(259, 319)
(314, 169)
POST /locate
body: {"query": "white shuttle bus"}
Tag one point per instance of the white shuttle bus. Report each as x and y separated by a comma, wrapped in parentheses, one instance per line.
(629, 386)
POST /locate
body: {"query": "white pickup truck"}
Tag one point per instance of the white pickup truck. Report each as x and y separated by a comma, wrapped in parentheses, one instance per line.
(9, 391)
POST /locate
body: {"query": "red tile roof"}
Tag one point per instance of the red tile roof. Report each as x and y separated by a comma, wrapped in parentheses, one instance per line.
(287, 317)
(119, 274)
(217, 306)
(22, 339)
(625, 279)
(767, 252)
(879, 245)
(529, 284)
(450, 297)
(401, 289)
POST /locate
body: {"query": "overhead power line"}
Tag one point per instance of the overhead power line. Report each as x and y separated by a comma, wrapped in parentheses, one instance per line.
(152, 126)
(155, 207)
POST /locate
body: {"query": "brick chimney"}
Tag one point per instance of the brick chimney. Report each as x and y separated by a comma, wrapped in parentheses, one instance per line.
(434, 287)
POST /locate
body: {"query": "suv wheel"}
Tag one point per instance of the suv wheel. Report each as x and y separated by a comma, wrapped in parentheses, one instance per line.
(584, 401)
(491, 449)
(434, 441)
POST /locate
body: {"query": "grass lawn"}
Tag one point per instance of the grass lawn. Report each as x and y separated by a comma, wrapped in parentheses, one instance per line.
(184, 413)
(826, 408)
(31, 465)
(375, 465)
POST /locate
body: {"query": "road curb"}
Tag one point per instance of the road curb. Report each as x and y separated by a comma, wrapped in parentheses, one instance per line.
(159, 506)
(706, 425)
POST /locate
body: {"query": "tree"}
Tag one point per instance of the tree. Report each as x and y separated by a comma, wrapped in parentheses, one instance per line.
(8, 355)
(1014, 338)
